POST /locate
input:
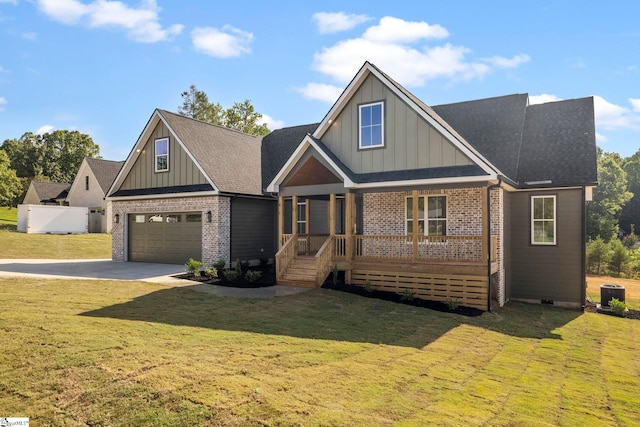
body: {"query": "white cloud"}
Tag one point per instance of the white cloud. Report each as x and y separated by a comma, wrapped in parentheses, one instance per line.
(321, 92)
(333, 22)
(13, 2)
(635, 102)
(393, 43)
(44, 129)
(612, 117)
(141, 24)
(600, 138)
(225, 43)
(271, 123)
(542, 99)
(3, 102)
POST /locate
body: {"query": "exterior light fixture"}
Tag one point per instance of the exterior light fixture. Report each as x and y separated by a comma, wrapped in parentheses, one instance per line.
(116, 217)
(208, 216)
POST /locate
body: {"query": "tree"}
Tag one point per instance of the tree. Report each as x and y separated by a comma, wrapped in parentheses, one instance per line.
(10, 186)
(241, 116)
(619, 257)
(608, 197)
(630, 214)
(56, 155)
(598, 253)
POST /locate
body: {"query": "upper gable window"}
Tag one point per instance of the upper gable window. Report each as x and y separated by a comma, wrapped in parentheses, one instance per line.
(162, 154)
(371, 125)
(543, 220)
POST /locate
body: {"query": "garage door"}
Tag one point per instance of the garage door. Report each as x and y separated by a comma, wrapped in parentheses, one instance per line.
(170, 238)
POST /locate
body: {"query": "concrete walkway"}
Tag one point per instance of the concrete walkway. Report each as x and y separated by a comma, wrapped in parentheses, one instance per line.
(106, 269)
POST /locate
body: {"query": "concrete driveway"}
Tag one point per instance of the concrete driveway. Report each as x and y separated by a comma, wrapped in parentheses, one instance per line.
(106, 269)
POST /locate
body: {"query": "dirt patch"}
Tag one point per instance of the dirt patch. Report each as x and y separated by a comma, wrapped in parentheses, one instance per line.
(267, 278)
(592, 307)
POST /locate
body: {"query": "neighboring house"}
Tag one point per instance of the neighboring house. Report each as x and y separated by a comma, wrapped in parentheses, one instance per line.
(89, 189)
(463, 203)
(190, 189)
(46, 193)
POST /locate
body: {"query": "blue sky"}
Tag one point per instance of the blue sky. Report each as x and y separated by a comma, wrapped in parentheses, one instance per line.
(102, 66)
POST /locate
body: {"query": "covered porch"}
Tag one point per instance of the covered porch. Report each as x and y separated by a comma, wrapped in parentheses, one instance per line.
(448, 268)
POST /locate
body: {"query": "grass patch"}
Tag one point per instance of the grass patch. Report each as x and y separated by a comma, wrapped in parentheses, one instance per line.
(16, 245)
(131, 353)
(8, 218)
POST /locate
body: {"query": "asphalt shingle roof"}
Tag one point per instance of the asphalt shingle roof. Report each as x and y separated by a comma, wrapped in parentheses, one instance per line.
(230, 158)
(50, 190)
(105, 171)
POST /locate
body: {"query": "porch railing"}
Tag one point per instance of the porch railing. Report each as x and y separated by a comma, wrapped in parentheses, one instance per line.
(323, 260)
(285, 257)
(308, 244)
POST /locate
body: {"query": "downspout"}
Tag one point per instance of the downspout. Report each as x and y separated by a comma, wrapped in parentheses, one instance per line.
(583, 275)
(489, 188)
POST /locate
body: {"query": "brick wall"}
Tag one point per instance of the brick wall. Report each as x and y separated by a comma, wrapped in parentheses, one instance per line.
(384, 213)
(216, 235)
(497, 229)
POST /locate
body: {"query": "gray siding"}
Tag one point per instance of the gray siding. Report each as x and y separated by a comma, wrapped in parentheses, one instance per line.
(253, 228)
(182, 170)
(319, 216)
(547, 272)
(507, 243)
(410, 143)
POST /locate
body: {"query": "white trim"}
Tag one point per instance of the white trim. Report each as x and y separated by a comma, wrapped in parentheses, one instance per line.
(555, 220)
(425, 219)
(430, 181)
(164, 196)
(382, 141)
(156, 155)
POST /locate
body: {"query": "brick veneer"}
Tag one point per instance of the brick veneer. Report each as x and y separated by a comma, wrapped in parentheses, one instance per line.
(497, 229)
(216, 235)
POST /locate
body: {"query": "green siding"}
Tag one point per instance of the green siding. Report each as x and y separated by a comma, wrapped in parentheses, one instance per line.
(182, 170)
(410, 142)
(547, 272)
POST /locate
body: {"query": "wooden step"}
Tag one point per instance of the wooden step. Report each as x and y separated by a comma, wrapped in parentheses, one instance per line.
(300, 283)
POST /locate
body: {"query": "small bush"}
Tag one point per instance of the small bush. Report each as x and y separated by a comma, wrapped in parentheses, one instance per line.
(219, 265)
(453, 304)
(230, 275)
(211, 273)
(617, 306)
(407, 295)
(193, 267)
(252, 275)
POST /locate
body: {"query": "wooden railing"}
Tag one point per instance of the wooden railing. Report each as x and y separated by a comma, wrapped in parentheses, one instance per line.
(323, 260)
(339, 246)
(285, 257)
(430, 248)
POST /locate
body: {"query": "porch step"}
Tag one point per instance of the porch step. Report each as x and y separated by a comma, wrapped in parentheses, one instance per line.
(301, 272)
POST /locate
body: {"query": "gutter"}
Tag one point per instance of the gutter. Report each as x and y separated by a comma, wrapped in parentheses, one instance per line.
(489, 188)
(583, 255)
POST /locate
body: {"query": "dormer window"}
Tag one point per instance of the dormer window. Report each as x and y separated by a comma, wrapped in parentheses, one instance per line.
(162, 154)
(371, 125)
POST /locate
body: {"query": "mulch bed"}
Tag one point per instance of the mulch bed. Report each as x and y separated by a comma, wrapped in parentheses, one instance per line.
(592, 307)
(268, 278)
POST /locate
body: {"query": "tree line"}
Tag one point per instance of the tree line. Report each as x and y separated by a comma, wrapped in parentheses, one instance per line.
(56, 156)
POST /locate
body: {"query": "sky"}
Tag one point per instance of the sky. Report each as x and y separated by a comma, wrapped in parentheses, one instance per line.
(102, 67)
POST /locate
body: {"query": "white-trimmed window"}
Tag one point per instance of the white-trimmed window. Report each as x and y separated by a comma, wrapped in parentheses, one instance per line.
(371, 118)
(543, 220)
(162, 154)
(302, 217)
(433, 221)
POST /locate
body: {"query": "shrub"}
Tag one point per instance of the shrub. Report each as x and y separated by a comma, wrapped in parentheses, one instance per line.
(617, 306)
(597, 255)
(252, 275)
(211, 273)
(230, 275)
(453, 304)
(193, 267)
(219, 265)
(619, 257)
(630, 241)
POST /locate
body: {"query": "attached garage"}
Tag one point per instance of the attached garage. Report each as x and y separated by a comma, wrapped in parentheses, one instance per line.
(170, 238)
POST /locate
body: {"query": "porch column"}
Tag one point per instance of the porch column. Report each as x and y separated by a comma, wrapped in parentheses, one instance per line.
(307, 228)
(294, 216)
(485, 223)
(280, 221)
(415, 224)
(349, 200)
(332, 214)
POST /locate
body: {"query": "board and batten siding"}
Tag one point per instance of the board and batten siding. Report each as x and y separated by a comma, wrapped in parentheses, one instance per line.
(182, 170)
(253, 229)
(546, 272)
(410, 142)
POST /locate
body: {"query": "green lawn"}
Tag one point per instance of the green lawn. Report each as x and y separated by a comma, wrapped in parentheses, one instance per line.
(8, 218)
(131, 353)
(52, 246)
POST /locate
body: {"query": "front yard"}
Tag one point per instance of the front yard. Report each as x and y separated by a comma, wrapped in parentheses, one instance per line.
(16, 245)
(131, 353)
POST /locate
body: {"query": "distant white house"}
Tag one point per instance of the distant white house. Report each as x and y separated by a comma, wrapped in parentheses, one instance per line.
(47, 193)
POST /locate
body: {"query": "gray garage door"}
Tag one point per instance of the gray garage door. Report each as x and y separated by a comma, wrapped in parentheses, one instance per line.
(170, 238)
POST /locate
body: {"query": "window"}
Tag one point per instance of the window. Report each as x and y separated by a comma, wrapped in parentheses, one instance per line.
(302, 217)
(371, 125)
(139, 218)
(162, 154)
(543, 220)
(174, 218)
(194, 217)
(86, 182)
(435, 217)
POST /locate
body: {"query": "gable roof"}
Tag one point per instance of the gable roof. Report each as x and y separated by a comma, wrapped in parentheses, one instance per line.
(50, 191)
(105, 171)
(230, 160)
(278, 146)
